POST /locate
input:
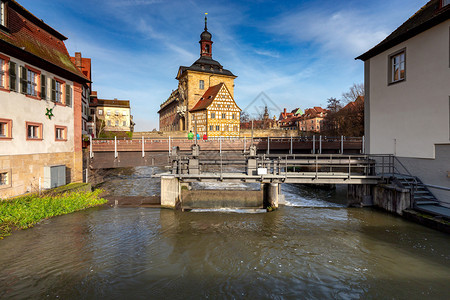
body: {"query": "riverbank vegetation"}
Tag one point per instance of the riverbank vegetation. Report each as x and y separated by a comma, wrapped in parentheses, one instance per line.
(25, 212)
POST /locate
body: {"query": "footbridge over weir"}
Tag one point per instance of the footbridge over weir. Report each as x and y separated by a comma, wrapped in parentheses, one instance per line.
(113, 153)
(269, 170)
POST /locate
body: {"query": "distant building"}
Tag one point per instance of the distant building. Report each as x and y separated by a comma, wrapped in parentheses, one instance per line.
(111, 115)
(41, 100)
(216, 114)
(407, 91)
(193, 82)
(84, 65)
(312, 120)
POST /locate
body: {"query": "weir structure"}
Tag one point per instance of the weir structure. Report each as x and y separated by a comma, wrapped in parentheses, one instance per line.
(269, 170)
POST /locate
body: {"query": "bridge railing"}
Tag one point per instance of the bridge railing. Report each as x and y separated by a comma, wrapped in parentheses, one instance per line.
(315, 143)
(331, 165)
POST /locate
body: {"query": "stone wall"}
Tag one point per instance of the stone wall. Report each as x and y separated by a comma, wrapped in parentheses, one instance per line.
(221, 199)
(388, 197)
(24, 171)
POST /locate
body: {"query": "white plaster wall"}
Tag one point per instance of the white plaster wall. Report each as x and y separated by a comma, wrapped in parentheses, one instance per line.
(21, 109)
(408, 118)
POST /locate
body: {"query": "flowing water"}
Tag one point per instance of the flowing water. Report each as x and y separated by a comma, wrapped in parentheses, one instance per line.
(312, 248)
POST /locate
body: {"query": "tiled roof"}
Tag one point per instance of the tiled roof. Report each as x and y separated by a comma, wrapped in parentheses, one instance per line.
(428, 16)
(114, 103)
(29, 35)
(207, 98)
(206, 65)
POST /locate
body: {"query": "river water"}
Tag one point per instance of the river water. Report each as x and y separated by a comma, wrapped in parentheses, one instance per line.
(312, 248)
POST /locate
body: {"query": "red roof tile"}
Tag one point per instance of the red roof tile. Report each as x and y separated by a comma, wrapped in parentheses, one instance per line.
(207, 98)
(30, 35)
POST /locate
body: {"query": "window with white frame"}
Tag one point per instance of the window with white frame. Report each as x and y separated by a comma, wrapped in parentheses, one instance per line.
(211, 128)
(5, 129)
(224, 116)
(2, 72)
(57, 90)
(117, 123)
(124, 123)
(34, 131)
(60, 133)
(108, 112)
(2, 13)
(4, 179)
(217, 127)
(124, 113)
(213, 115)
(117, 112)
(32, 83)
(397, 67)
(201, 84)
(100, 112)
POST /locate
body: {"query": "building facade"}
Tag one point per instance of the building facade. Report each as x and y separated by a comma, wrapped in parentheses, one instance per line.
(407, 96)
(41, 99)
(84, 65)
(111, 115)
(312, 120)
(175, 113)
(216, 114)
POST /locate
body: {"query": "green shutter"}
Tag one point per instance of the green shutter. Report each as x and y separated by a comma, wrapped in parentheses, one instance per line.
(12, 76)
(23, 80)
(43, 87)
(53, 90)
(68, 95)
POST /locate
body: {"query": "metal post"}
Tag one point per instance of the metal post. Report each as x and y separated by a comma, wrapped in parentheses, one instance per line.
(87, 175)
(195, 137)
(245, 144)
(220, 145)
(342, 144)
(39, 185)
(143, 152)
(91, 154)
(363, 145)
(349, 167)
(314, 145)
(320, 144)
(268, 145)
(169, 144)
(290, 152)
(115, 146)
(252, 132)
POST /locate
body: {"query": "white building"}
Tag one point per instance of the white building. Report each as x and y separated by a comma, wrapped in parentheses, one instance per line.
(407, 100)
(40, 98)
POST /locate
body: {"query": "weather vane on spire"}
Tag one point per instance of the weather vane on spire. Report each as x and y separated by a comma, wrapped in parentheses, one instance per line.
(206, 27)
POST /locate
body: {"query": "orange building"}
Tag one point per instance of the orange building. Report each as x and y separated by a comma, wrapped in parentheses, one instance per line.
(312, 120)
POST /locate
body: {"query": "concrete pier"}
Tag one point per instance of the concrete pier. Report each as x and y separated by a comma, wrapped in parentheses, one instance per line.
(170, 191)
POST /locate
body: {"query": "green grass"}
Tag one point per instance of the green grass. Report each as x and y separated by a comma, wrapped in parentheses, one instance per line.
(25, 212)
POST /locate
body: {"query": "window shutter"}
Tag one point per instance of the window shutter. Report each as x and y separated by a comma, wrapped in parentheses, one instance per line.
(23, 80)
(68, 95)
(43, 87)
(53, 90)
(12, 76)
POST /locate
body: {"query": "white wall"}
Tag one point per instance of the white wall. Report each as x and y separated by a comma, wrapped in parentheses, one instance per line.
(408, 118)
(21, 109)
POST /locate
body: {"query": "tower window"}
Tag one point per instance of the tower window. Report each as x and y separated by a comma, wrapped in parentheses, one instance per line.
(201, 84)
(207, 48)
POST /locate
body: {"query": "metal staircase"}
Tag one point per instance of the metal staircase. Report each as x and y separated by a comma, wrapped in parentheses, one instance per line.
(422, 198)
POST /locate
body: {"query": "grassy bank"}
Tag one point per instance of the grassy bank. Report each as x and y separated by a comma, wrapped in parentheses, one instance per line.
(25, 212)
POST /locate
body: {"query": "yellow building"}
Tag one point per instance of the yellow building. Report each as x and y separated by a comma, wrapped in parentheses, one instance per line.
(112, 115)
(216, 114)
(175, 113)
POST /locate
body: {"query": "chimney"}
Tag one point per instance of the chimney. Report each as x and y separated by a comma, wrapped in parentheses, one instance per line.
(78, 60)
(285, 111)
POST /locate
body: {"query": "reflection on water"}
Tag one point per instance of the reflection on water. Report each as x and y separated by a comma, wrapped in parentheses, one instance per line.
(295, 252)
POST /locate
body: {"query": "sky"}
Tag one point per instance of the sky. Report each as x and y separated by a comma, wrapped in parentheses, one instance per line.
(287, 54)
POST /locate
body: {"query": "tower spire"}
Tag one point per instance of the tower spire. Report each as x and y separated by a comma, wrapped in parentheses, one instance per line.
(205, 41)
(206, 20)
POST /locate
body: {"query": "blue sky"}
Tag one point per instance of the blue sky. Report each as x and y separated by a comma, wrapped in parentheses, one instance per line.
(299, 53)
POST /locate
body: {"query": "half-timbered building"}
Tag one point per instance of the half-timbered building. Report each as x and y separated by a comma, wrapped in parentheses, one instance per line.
(216, 114)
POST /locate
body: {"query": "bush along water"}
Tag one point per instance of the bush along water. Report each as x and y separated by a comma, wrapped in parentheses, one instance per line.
(25, 212)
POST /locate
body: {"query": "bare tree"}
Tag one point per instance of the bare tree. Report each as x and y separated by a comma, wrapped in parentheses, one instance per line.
(356, 90)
